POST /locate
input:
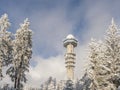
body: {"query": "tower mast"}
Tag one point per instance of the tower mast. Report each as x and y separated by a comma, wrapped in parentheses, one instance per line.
(70, 43)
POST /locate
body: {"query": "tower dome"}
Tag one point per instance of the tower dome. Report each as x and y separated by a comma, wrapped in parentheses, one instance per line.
(70, 36)
(70, 39)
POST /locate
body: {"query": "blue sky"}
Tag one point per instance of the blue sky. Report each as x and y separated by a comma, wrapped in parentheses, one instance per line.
(51, 21)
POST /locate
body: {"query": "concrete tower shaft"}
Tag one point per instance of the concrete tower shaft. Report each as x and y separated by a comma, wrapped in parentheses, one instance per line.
(70, 43)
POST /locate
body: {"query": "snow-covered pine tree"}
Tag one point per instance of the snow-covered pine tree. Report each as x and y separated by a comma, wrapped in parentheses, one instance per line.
(22, 47)
(112, 55)
(95, 57)
(69, 85)
(50, 84)
(5, 42)
(61, 85)
(104, 58)
(22, 51)
(84, 83)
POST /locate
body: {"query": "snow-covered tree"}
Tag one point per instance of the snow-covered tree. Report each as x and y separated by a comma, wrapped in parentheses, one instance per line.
(69, 85)
(15, 53)
(22, 51)
(84, 83)
(61, 85)
(5, 43)
(50, 84)
(95, 56)
(112, 54)
(104, 57)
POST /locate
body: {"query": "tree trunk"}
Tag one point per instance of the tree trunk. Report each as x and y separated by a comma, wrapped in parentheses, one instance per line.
(19, 74)
(18, 77)
(15, 84)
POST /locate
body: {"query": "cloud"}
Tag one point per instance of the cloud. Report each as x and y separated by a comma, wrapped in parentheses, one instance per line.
(53, 66)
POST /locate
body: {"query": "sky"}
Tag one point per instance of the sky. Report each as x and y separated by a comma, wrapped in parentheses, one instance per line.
(51, 21)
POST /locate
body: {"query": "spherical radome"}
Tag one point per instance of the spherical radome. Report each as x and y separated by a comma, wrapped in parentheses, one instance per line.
(70, 36)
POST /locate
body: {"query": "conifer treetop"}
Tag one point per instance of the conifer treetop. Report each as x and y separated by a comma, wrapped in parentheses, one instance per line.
(26, 24)
(4, 22)
(112, 28)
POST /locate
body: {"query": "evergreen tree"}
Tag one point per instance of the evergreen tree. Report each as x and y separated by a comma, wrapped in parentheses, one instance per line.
(104, 58)
(112, 55)
(95, 62)
(50, 84)
(21, 55)
(84, 83)
(69, 85)
(5, 43)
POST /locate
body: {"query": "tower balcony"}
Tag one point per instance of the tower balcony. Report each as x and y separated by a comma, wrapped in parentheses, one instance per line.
(70, 54)
(70, 65)
(69, 61)
(70, 41)
(67, 58)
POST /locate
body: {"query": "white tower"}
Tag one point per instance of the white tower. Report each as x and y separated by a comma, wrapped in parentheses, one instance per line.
(70, 43)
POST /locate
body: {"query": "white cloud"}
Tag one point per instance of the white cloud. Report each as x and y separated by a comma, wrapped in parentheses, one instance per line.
(53, 66)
